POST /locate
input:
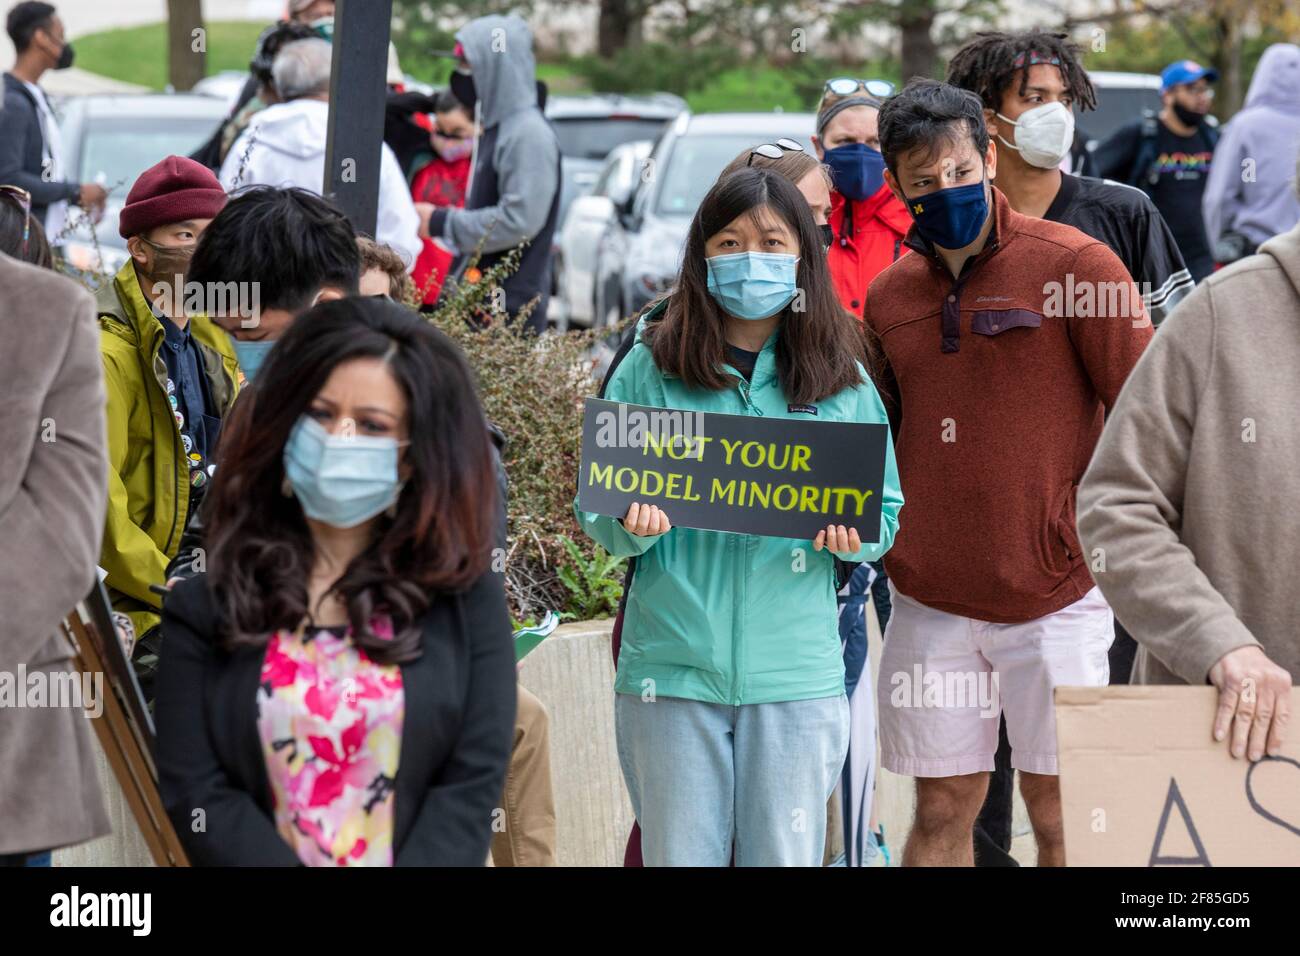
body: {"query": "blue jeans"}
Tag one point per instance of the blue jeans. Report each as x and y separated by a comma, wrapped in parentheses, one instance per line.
(26, 859)
(704, 776)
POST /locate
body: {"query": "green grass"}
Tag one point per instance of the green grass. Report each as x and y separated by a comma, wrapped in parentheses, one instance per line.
(746, 89)
(139, 54)
(560, 79)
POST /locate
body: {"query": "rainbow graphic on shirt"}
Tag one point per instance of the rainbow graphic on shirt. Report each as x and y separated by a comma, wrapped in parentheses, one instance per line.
(1180, 163)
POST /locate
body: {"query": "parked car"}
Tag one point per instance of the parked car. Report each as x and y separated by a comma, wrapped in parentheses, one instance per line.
(641, 245)
(111, 140)
(225, 86)
(584, 228)
(588, 127)
(1121, 97)
(228, 84)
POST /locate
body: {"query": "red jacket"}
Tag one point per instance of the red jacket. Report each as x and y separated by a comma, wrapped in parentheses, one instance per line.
(999, 381)
(442, 184)
(866, 241)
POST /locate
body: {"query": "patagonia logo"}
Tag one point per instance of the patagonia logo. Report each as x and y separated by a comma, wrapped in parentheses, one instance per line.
(805, 409)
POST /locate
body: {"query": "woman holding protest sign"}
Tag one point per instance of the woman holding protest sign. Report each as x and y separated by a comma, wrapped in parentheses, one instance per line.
(339, 687)
(730, 709)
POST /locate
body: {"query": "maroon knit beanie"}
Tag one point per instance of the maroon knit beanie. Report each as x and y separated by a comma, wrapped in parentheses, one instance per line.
(175, 190)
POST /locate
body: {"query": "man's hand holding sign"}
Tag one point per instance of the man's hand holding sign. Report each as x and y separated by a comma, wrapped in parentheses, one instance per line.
(1254, 702)
(746, 474)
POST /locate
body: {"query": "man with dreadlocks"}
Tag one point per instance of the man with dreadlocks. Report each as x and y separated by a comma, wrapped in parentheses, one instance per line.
(1029, 83)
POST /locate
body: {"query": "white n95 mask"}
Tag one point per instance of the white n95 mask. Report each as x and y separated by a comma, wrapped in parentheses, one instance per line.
(1044, 134)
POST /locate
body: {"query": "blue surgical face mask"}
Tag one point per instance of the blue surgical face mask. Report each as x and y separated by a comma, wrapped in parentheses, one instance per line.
(857, 169)
(952, 217)
(752, 285)
(340, 480)
(251, 355)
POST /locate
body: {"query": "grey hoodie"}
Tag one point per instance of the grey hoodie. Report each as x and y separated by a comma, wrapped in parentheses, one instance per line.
(514, 187)
(1267, 133)
(1187, 511)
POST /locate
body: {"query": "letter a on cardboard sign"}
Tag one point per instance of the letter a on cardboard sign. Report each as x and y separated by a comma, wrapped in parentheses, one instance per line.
(1175, 798)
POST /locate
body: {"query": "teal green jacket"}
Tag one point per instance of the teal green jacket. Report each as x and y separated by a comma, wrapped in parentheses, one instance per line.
(734, 618)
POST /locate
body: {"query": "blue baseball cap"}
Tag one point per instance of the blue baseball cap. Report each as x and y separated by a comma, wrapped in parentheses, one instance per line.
(1185, 71)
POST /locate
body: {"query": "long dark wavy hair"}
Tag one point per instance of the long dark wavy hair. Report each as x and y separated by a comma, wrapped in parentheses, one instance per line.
(817, 348)
(261, 550)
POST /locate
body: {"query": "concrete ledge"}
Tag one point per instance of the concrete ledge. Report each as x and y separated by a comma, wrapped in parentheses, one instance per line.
(572, 673)
(124, 846)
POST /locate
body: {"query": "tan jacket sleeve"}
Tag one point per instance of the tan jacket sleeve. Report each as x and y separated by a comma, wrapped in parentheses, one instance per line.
(1131, 503)
(52, 502)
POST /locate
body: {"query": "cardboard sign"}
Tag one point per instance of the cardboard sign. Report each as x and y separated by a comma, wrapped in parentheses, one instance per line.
(1143, 783)
(783, 477)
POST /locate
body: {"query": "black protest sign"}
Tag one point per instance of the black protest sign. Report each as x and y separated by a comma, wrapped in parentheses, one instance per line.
(782, 477)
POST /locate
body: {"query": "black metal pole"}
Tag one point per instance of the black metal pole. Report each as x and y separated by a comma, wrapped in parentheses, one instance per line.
(357, 95)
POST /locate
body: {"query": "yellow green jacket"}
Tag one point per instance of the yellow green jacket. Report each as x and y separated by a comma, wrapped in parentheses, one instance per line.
(148, 476)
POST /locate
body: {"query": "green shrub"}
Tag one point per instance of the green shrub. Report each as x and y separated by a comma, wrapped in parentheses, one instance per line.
(595, 583)
(656, 66)
(533, 389)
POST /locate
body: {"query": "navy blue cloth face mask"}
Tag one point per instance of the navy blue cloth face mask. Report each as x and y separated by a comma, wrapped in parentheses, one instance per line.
(950, 218)
(857, 169)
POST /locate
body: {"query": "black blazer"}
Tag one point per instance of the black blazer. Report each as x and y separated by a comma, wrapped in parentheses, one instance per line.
(22, 150)
(457, 734)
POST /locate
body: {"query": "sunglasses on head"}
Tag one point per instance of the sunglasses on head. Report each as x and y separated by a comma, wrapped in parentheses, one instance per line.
(24, 201)
(774, 150)
(847, 86)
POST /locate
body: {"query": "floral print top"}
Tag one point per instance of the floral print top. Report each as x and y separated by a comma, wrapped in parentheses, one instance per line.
(330, 722)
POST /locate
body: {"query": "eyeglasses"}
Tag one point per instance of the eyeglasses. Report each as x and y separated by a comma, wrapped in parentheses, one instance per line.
(24, 200)
(847, 86)
(774, 150)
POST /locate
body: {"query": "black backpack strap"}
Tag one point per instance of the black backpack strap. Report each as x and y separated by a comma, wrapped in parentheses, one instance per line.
(1145, 157)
